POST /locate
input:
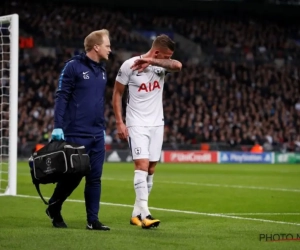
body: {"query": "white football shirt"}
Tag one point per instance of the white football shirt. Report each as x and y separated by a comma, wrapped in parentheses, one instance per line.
(145, 93)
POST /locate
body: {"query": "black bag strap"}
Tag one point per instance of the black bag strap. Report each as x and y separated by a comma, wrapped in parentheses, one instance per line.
(37, 186)
(80, 156)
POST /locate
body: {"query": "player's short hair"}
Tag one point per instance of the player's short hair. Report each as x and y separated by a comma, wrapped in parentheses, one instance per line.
(164, 42)
(96, 37)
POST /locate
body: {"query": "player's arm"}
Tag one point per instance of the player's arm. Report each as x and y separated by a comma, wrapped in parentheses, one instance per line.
(117, 101)
(63, 93)
(170, 65)
(122, 80)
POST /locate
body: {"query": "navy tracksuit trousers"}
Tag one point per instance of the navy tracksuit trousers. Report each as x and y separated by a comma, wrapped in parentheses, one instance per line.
(95, 147)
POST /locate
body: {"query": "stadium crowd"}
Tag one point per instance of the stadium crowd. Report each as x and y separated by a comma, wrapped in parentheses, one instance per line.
(247, 91)
(225, 36)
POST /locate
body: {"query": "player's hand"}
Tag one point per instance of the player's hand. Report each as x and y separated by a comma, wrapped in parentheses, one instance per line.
(141, 64)
(122, 131)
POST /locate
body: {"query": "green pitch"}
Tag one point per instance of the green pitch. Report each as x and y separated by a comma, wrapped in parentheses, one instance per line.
(200, 207)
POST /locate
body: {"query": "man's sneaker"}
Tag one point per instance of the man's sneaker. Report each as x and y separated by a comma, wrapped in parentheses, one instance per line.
(97, 225)
(56, 218)
(150, 222)
(136, 221)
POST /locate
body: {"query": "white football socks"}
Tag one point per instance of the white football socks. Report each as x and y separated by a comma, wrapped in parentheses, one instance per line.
(141, 192)
(150, 183)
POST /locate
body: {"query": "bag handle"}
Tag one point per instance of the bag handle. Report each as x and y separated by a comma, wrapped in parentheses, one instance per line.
(37, 186)
(36, 183)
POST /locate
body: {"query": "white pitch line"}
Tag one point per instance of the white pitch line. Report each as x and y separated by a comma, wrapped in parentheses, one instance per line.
(209, 185)
(261, 213)
(235, 186)
(217, 185)
(180, 211)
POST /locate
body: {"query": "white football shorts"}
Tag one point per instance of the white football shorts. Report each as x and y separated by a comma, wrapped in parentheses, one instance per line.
(146, 142)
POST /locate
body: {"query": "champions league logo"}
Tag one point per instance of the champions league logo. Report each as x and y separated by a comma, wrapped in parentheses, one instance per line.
(48, 162)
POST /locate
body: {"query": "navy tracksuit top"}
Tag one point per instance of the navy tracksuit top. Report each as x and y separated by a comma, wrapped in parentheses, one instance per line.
(80, 98)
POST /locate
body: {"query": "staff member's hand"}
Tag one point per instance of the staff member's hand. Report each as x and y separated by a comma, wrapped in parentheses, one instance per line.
(57, 134)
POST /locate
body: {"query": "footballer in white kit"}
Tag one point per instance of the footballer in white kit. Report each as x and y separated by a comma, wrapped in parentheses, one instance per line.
(144, 111)
(144, 129)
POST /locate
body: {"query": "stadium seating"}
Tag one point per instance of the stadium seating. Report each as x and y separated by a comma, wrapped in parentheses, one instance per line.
(245, 91)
